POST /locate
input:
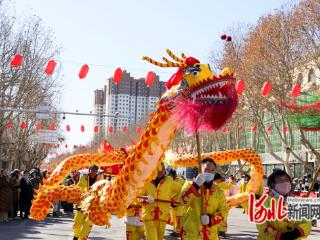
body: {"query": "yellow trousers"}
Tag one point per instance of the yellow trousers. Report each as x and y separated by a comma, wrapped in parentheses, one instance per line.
(134, 232)
(223, 227)
(155, 229)
(82, 226)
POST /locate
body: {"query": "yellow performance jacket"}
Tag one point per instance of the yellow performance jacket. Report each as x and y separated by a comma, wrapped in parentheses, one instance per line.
(215, 206)
(167, 190)
(271, 230)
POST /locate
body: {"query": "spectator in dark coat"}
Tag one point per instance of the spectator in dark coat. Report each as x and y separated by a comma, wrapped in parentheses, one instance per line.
(5, 196)
(15, 178)
(26, 195)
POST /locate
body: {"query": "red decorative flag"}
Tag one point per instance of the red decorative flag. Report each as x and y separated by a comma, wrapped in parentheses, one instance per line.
(83, 71)
(16, 61)
(50, 67)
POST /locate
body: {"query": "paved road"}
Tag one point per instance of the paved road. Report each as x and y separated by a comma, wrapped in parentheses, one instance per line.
(61, 229)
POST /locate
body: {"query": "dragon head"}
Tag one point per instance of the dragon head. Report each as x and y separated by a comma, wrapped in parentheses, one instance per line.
(198, 99)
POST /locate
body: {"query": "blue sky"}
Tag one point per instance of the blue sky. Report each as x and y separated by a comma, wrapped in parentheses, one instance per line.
(117, 33)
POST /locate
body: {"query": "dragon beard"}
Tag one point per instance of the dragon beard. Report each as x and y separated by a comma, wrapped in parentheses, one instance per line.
(193, 117)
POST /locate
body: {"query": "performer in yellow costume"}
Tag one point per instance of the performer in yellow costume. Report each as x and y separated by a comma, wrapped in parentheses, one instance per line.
(279, 183)
(243, 189)
(157, 197)
(177, 210)
(134, 226)
(195, 224)
(221, 183)
(82, 226)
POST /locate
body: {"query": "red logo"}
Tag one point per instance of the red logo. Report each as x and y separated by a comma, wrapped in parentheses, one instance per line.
(258, 213)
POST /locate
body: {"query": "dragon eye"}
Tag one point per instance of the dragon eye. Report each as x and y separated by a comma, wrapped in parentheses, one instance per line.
(195, 73)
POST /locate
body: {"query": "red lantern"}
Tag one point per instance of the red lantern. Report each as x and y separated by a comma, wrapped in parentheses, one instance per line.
(224, 129)
(9, 125)
(266, 88)
(254, 128)
(75, 146)
(16, 61)
(296, 89)
(240, 127)
(150, 78)
(284, 129)
(50, 67)
(82, 128)
(83, 147)
(223, 37)
(269, 129)
(52, 126)
(117, 77)
(240, 86)
(66, 145)
(68, 128)
(38, 125)
(125, 129)
(110, 129)
(83, 71)
(139, 130)
(96, 129)
(23, 125)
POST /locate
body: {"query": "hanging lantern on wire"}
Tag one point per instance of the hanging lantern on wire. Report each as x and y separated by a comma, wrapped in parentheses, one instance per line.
(16, 61)
(125, 129)
(117, 77)
(52, 126)
(68, 128)
(269, 129)
(139, 130)
(83, 71)
(240, 127)
(23, 125)
(38, 125)
(9, 125)
(82, 128)
(150, 79)
(284, 129)
(266, 88)
(110, 129)
(96, 129)
(240, 86)
(254, 128)
(224, 130)
(50, 67)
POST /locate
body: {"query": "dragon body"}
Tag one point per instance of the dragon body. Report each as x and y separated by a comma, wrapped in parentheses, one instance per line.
(196, 100)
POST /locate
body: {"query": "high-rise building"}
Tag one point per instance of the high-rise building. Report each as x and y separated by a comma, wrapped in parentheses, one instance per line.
(131, 99)
(99, 107)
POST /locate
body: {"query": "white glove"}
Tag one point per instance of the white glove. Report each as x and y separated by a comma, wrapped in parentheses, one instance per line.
(205, 219)
(199, 180)
(150, 199)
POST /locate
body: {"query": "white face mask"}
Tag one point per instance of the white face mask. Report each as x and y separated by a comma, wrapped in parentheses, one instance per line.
(208, 176)
(283, 188)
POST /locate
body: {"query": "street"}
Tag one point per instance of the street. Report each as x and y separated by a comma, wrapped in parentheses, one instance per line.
(61, 229)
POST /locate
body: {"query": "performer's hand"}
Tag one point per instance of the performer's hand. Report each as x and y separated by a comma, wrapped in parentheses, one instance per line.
(205, 219)
(150, 199)
(199, 180)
